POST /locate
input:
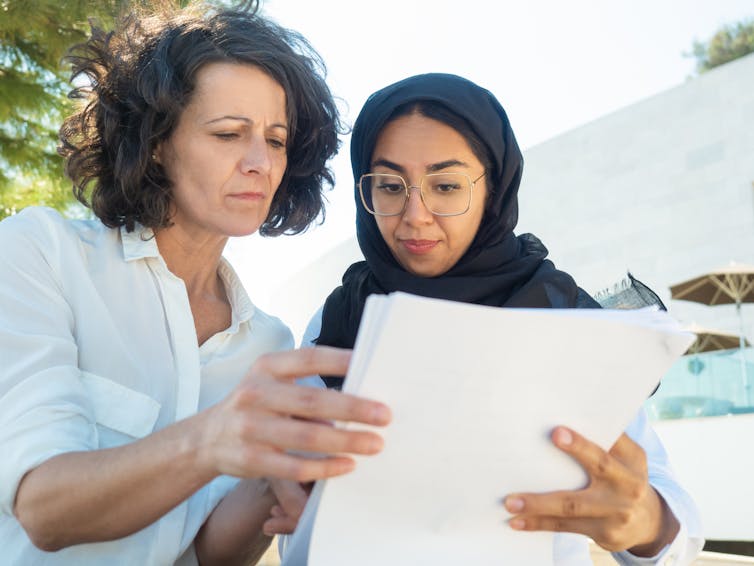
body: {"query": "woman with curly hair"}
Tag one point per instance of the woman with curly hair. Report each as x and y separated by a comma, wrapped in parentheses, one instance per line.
(144, 399)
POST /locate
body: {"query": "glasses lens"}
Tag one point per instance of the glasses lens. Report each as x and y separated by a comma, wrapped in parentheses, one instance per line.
(447, 193)
(383, 194)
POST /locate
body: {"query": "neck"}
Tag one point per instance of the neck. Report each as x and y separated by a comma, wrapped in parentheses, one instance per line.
(194, 258)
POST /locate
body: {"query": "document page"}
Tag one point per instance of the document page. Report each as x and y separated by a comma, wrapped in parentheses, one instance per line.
(475, 392)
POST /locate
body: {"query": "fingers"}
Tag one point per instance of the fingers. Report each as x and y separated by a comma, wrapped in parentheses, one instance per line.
(585, 526)
(629, 453)
(291, 496)
(279, 523)
(559, 504)
(597, 463)
(324, 404)
(297, 468)
(309, 436)
(563, 511)
(267, 415)
(611, 509)
(305, 361)
(266, 385)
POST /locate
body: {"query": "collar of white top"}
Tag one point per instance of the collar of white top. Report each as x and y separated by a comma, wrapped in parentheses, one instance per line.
(141, 244)
(138, 244)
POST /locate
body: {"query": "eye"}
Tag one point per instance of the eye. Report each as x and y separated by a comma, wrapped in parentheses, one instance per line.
(276, 143)
(227, 136)
(446, 184)
(390, 188)
(446, 187)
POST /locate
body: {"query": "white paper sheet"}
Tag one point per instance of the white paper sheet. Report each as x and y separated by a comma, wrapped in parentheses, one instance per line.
(475, 392)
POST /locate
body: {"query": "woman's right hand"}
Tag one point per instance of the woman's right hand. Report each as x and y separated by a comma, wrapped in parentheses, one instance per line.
(254, 431)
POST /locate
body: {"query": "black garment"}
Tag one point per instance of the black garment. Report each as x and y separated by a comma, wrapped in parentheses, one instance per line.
(498, 269)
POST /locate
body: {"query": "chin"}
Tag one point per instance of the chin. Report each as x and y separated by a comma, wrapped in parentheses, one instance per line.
(422, 270)
(243, 227)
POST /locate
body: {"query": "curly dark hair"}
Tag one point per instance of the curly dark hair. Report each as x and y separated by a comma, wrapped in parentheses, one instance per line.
(141, 77)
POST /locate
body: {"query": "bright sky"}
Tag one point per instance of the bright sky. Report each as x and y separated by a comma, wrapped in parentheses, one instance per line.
(554, 65)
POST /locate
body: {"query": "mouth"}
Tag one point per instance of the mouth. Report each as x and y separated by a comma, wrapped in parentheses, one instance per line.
(419, 247)
(249, 196)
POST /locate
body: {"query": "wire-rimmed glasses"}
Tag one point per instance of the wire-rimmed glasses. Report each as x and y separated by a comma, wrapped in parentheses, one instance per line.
(444, 194)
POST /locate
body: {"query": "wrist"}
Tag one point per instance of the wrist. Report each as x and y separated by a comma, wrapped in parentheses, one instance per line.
(664, 532)
(198, 443)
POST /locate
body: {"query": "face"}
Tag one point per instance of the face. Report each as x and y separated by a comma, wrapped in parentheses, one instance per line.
(412, 146)
(227, 155)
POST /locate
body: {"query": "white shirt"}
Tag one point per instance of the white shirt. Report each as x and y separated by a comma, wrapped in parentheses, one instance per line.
(98, 348)
(572, 549)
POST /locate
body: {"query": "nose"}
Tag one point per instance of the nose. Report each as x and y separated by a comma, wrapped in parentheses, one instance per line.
(256, 156)
(416, 213)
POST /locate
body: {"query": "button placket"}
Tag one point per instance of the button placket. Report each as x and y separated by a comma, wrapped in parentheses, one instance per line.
(183, 339)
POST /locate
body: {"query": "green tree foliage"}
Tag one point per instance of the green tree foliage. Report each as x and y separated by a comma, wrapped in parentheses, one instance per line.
(730, 42)
(34, 36)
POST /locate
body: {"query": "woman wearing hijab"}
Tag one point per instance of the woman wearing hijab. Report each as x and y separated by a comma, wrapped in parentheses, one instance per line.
(438, 171)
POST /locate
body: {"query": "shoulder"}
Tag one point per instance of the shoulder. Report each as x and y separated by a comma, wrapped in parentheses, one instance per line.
(313, 329)
(34, 229)
(45, 226)
(40, 232)
(32, 220)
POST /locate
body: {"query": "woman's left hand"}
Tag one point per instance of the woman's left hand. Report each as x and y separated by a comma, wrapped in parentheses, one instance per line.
(291, 498)
(618, 509)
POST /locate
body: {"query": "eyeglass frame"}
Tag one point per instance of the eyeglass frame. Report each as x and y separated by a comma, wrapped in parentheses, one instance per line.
(472, 184)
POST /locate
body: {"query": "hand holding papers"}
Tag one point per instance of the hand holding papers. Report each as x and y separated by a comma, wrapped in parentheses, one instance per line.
(475, 392)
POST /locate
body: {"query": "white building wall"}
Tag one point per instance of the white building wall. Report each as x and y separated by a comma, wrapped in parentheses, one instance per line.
(663, 188)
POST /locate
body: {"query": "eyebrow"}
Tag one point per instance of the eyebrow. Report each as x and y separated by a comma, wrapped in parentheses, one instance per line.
(243, 119)
(432, 168)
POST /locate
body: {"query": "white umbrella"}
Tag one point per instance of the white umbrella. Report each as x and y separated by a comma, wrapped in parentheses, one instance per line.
(733, 284)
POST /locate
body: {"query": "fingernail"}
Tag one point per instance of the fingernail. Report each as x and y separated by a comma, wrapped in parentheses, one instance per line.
(517, 523)
(514, 504)
(346, 466)
(381, 414)
(563, 437)
(376, 444)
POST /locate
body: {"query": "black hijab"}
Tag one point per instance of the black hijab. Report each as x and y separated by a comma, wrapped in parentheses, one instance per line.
(498, 269)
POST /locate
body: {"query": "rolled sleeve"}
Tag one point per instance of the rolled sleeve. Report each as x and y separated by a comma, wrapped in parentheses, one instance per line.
(680, 552)
(689, 540)
(46, 414)
(44, 408)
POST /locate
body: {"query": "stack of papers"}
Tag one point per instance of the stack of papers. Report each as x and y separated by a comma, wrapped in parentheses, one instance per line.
(475, 393)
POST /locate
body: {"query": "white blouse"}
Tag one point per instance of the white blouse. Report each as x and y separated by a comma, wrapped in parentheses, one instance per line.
(98, 348)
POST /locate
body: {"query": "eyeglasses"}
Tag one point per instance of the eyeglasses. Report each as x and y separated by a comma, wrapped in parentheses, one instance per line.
(444, 194)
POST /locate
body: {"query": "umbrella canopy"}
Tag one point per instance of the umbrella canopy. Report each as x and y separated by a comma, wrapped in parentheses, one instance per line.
(727, 285)
(731, 284)
(710, 340)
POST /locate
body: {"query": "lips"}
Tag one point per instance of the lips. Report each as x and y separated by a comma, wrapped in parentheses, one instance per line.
(419, 247)
(250, 196)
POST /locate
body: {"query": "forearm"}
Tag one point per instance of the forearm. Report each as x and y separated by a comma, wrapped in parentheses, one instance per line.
(108, 494)
(233, 534)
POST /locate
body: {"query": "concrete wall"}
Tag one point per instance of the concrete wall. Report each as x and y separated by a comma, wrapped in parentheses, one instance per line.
(663, 188)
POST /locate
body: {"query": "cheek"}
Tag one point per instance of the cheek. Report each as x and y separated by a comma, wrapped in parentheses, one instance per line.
(465, 234)
(281, 164)
(386, 225)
